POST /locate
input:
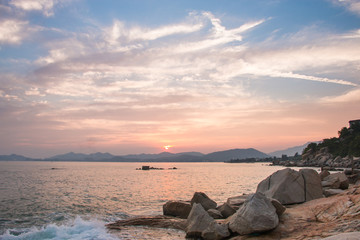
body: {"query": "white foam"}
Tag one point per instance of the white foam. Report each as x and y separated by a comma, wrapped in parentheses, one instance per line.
(78, 229)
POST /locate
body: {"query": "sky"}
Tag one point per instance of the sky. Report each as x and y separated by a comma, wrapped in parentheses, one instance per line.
(133, 76)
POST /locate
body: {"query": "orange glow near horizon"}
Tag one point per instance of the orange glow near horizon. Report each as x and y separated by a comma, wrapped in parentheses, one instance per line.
(167, 147)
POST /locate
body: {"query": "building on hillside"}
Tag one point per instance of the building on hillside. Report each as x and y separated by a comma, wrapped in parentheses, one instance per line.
(354, 122)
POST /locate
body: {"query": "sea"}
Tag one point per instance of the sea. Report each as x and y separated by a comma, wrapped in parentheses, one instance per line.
(75, 200)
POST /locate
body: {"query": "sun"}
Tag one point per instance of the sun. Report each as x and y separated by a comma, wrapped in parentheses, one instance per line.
(167, 147)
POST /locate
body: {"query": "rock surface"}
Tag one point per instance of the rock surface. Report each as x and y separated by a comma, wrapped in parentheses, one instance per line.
(198, 221)
(215, 214)
(215, 231)
(289, 186)
(345, 236)
(226, 210)
(336, 181)
(257, 214)
(204, 200)
(179, 209)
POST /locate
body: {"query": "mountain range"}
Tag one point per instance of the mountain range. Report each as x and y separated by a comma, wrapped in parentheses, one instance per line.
(219, 156)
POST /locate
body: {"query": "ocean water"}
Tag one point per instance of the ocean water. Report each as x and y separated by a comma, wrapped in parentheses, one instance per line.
(74, 200)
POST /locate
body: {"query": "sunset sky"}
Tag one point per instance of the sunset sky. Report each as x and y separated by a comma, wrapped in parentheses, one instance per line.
(133, 76)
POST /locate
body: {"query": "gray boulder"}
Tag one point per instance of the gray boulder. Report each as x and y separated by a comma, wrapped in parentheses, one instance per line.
(257, 214)
(323, 174)
(204, 200)
(331, 192)
(237, 201)
(215, 231)
(289, 186)
(226, 210)
(312, 184)
(197, 221)
(215, 214)
(280, 209)
(179, 209)
(336, 181)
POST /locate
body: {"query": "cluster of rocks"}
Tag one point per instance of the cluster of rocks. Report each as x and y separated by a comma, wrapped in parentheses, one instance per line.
(321, 158)
(273, 211)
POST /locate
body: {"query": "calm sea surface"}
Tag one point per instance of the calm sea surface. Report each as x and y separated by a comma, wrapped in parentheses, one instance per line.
(73, 200)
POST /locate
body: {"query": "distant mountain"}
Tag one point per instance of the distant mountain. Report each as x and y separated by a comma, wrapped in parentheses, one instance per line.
(290, 151)
(14, 157)
(71, 156)
(220, 156)
(234, 154)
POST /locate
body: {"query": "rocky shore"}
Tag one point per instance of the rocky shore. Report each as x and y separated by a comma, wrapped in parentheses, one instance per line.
(288, 204)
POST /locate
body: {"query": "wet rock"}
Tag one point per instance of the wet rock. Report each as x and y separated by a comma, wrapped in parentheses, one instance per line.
(216, 214)
(179, 209)
(226, 210)
(257, 214)
(204, 200)
(215, 231)
(198, 221)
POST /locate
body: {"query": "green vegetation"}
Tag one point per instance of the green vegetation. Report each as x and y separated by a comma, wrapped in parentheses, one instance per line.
(348, 142)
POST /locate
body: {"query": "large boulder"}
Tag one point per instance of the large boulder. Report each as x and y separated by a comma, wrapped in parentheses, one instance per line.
(179, 209)
(197, 221)
(204, 200)
(257, 214)
(336, 181)
(214, 213)
(215, 231)
(289, 186)
(312, 184)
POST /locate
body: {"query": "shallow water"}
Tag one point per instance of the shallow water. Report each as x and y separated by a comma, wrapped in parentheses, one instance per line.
(73, 200)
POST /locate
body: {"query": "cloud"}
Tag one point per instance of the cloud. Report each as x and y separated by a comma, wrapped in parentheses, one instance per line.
(13, 31)
(44, 6)
(352, 96)
(352, 5)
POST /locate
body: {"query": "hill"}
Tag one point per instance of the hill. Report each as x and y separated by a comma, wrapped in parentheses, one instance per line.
(290, 151)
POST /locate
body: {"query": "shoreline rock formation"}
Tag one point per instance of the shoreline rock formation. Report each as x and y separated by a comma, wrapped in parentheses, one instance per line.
(262, 216)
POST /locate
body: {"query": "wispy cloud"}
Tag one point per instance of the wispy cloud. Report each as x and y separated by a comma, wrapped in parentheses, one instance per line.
(13, 31)
(44, 6)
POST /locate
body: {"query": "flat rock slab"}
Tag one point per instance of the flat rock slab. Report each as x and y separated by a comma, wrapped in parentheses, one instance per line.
(159, 221)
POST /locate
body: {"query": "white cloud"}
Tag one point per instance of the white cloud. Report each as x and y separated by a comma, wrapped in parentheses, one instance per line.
(45, 6)
(352, 5)
(12, 31)
(348, 97)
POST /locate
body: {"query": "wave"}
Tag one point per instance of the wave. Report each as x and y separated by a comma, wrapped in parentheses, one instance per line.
(78, 229)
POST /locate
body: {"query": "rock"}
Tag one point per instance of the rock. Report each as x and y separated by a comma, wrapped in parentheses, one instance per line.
(280, 209)
(237, 200)
(335, 181)
(198, 221)
(289, 186)
(204, 200)
(313, 188)
(179, 209)
(257, 214)
(331, 192)
(345, 236)
(216, 214)
(215, 231)
(150, 221)
(226, 210)
(323, 174)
